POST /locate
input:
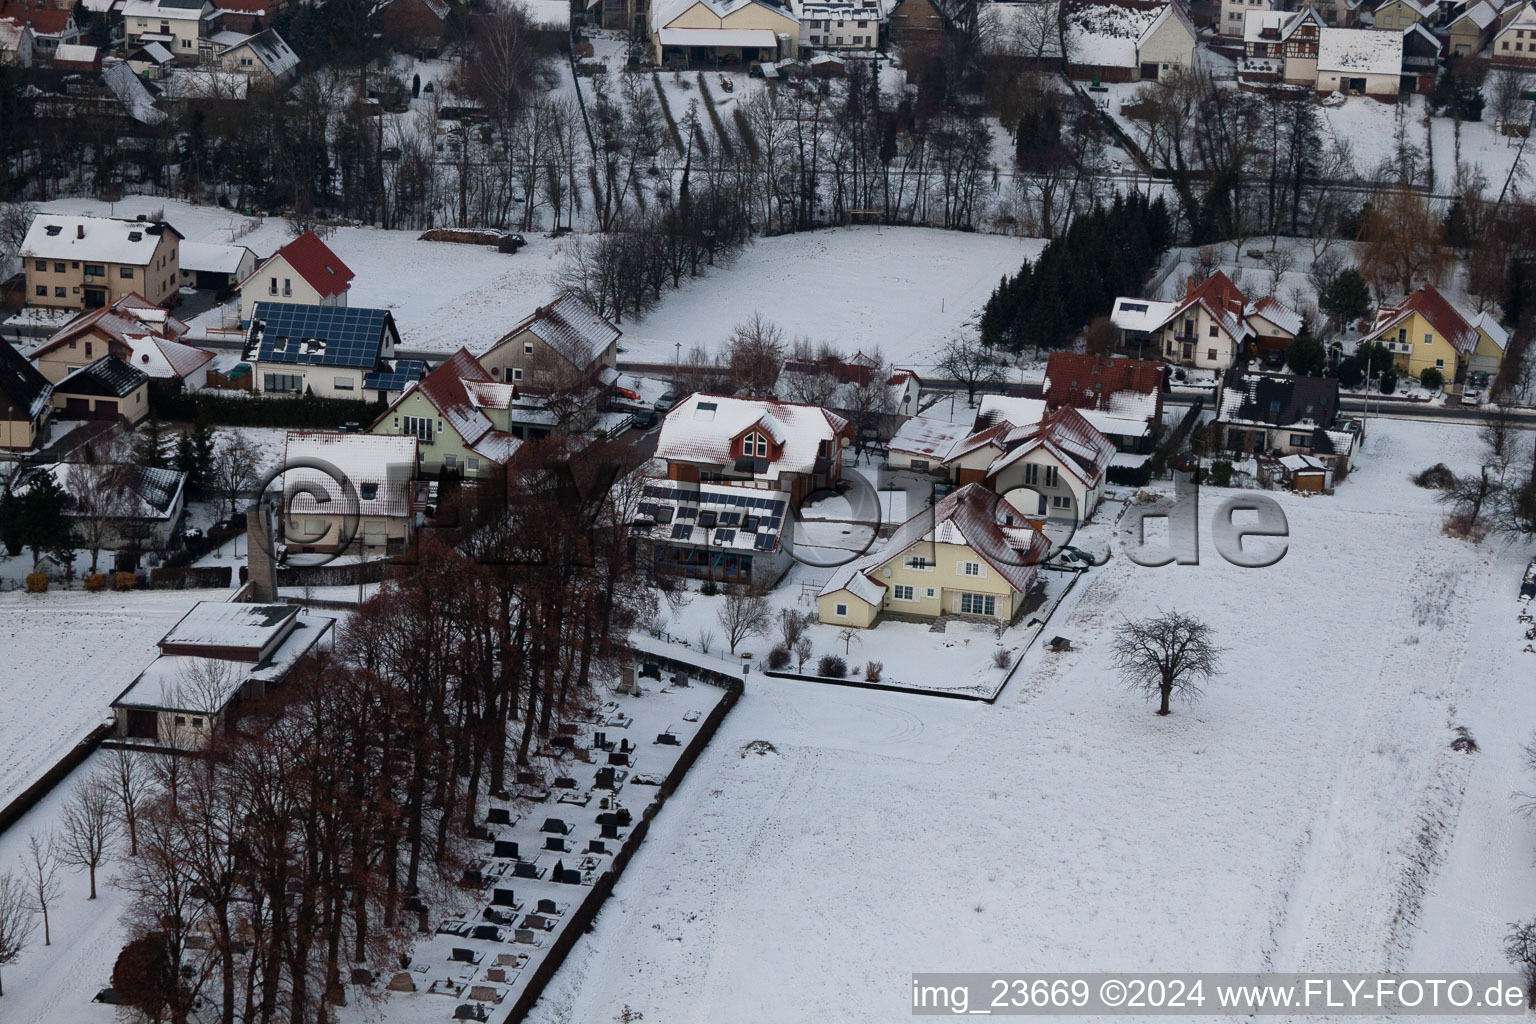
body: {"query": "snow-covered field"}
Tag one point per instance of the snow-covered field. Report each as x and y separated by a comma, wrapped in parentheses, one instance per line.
(1274, 825)
(67, 655)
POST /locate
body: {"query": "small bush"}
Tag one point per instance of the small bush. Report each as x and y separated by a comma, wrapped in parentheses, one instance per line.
(1432, 378)
(1002, 657)
(123, 581)
(1463, 743)
(1437, 477)
(1130, 476)
(831, 666)
(95, 582)
(778, 658)
(872, 670)
(710, 588)
(1220, 474)
(37, 582)
(1388, 382)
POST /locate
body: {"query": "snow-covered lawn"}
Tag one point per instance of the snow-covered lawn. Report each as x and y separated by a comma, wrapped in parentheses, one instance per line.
(67, 655)
(1275, 824)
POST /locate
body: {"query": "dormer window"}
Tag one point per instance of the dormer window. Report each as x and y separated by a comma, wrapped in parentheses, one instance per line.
(754, 446)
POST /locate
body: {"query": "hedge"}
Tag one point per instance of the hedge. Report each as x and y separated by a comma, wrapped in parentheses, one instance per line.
(1130, 476)
(230, 411)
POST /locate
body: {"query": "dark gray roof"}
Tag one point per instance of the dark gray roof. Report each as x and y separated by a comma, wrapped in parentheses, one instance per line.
(108, 377)
(1280, 400)
(22, 385)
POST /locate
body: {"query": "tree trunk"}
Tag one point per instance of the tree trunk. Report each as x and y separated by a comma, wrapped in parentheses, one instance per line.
(1166, 690)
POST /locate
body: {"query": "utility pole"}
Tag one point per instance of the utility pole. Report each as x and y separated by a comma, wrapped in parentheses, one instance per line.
(677, 360)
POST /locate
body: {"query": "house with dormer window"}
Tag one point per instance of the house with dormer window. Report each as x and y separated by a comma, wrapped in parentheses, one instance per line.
(736, 469)
(1425, 330)
(304, 272)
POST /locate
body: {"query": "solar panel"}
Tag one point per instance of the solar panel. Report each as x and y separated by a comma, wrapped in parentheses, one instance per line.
(647, 508)
(764, 542)
(320, 335)
(687, 513)
(681, 531)
(749, 523)
(707, 518)
(778, 508)
(730, 518)
(775, 524)
(724, 536)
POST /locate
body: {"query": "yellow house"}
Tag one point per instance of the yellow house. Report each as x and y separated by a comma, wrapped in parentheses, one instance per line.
(722, 31)
(1404, 14)
(1425, 331)
(1471, 30)
(106, 389)
(971, 555)
(449, 415)
(85, 262)
(24, 400)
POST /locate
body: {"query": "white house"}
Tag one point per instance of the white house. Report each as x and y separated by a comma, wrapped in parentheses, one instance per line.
(182, 26)
(17, 43)
(325, 351)
(305, 271)
(347, 492)
(840, 24)
(1235, 13)
(1360, 61)
(215, 266)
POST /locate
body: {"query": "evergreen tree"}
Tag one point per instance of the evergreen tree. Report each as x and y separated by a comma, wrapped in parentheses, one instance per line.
(1346, 298)
(150, 446)
(41, 522)
(194, 454)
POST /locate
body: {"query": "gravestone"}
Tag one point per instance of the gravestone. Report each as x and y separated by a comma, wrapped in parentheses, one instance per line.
(461, 955)
(496, 974)
(596, 846)
(555, 843)
(495, 916)
(503, 898)
(618, 759)
(505, 848)
(523, 935)
(402, 982)
(565, 782)
(499, 816)
(555, 825)
(568, 876)
(610, 830)
(487, 933)
(605, 779)
(472, 877)
(529, 779)
(547, 907)
(525, 869)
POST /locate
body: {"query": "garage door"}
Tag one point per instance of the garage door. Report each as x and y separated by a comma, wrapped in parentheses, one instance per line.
(105, 410)
(77, 408)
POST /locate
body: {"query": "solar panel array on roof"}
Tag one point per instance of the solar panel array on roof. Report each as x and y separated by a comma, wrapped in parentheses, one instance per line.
(774, 506)
(406, 371)
(319, 335)
(681, 531)
(741, 521)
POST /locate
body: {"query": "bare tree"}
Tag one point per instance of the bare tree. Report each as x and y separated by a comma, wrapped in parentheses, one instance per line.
(15, 220)
(755, 354)
(803, 652)
(102, 491)
(745, 614)
(1166, 654)
(972, 364)
(89, 826)
(1401, 241)
(236, 469)
(40, 865)
(15, 920)
(1278, 262)
(1520, 951)
(130, 781)
(793, 624)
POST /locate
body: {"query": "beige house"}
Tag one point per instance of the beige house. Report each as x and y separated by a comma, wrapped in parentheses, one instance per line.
(304, 272)
(139, 333)
(971, 555)
(1236, 13)
(684, 32)
(1472, 29)
(563, 351)
(25, 400)
(265, 58)
(452, 415)
(347, 492)
(218, 655)
(1167, 45)
(1402, 15)
(1207, 329)
(107, 389)
(1514, 45)
(1360, 61)
(85, 262)
(1290, 37)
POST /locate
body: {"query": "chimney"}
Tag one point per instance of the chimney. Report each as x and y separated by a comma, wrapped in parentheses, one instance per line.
(1189, 286)
(79, 230)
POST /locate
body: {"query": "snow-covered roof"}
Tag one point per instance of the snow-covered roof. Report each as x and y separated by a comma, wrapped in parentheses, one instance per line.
(230, 624)
(148, 493)
(569, 326)
(378, 466)
(1489, 325)
(1482, 14)
(1142, 315)
(1118, 426)
(1298, 462)
(1360, 51)
(55, 236)
(665, 12)
(154, 10)
(1068, 436)
(21, 383)
(163, 359)
(1276, 312)
(928, 437)
(1222, 301)
(11, 35)
(211, 257)
(74, 53)
(108, 376)
(1445, 318)
(158, 52)
(270, 49)
(1423, 8)
(973, 516)
(759, 37)
(1018, 411)
(726, 516)
(703, 426)
(1107, 34)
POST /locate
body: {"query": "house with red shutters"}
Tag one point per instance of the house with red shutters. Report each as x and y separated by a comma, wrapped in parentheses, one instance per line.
(304, 272)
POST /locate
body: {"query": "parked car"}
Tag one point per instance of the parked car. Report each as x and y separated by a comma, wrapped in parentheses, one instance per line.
(667, 401)
(645, 419)
(1471, 396)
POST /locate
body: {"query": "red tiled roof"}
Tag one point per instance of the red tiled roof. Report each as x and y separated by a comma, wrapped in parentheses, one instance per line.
(45, 21)
(242, 6)
(1434, 307)
(1089, 382)
(1219, 297)
(313, 260)
(117, 322)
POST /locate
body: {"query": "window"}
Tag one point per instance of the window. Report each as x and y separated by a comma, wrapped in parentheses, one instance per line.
(902, 592)
(58, 268)
(920, 465)
(978, 604)
(95, 270)
(517, 374)
(970, 569)
(1210, 354)
(60, 293)
(42, 291)
(1052, 476)
(181, 719)
(450, 460)
(1031, 474)
(931, 593)
(344, 383)
(754, 446)
(1300, 441)
(839, 40)
(472, 464)
(88, 347)
(287, 286)
(1402, 335)
(420, 427)
(1213, 330)
(841, 611)
(527, 348)
(272, 286)
(921, 563)
(186, 44)
(1061, 501)
(125, 272)
(41, 265)
(283, 382)
(1429, 339)
(197, 723)
(1439, 364)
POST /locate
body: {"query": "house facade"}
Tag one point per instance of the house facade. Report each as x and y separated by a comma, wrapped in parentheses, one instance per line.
(847, 25)
(139, 333)
(1235, 15)
(304, 272)
(1472, 30)
(25, 400)
(564, 349)
(1290, 37)
(326, 351)
(450, 414)
(107, 389)
(368, 510)
(1401, 15)
(51, 24)
(1279, 414)
(1206, 330)
(1514, 44)
(724, 31)
(972, 555)
(1360, 61)
(181, 26)
(1426, 331)
(86, 262)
